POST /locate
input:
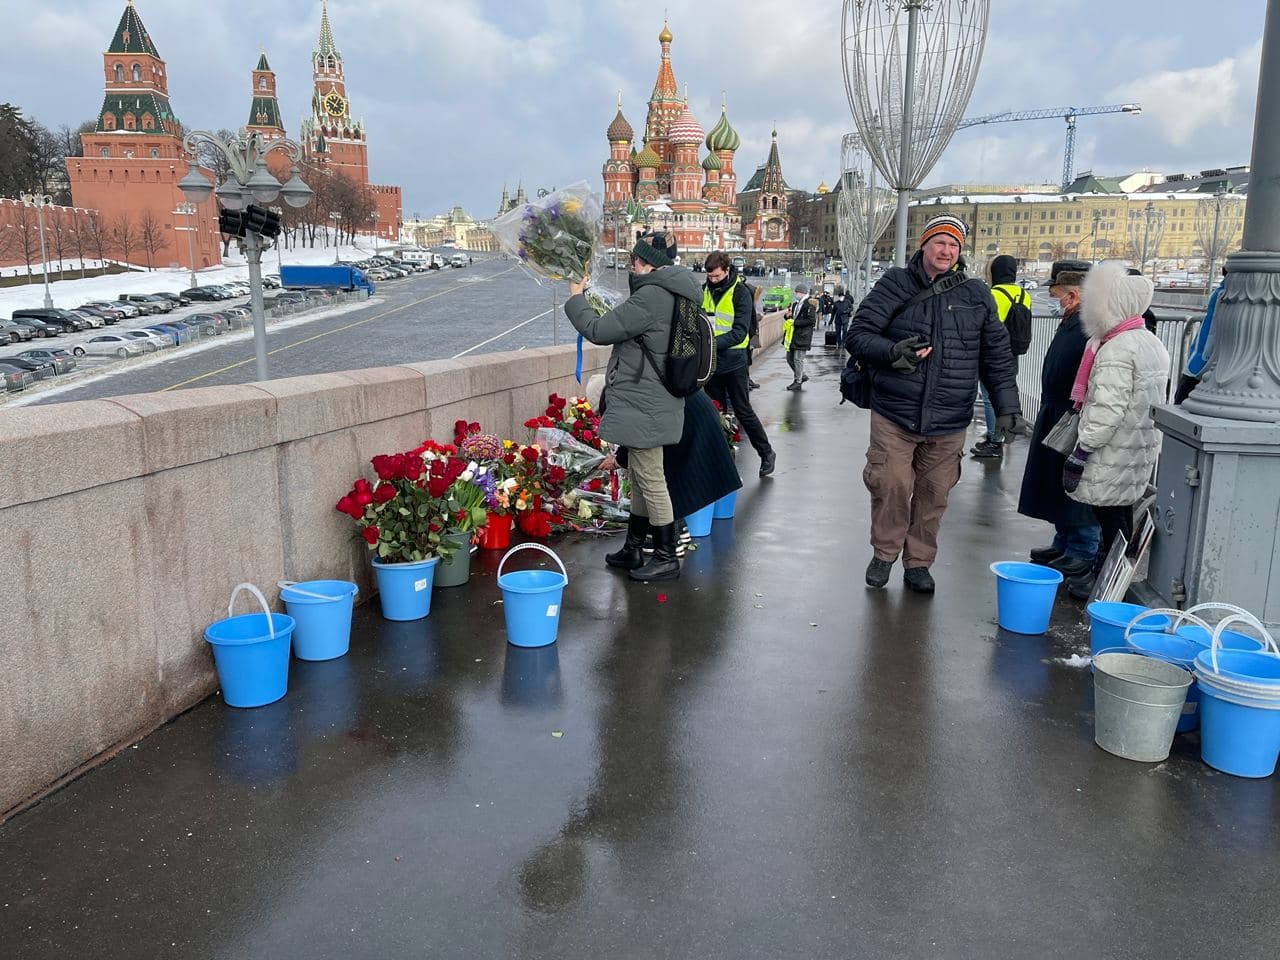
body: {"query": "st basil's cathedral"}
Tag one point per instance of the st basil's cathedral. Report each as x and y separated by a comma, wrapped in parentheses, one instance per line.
(664, 185)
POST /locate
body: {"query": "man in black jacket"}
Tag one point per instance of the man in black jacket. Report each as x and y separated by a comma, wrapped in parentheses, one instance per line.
(841, 313)
(728, 300)
(928, 335)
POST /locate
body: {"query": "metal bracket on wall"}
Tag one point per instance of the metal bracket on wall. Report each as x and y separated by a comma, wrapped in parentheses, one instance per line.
(1193, 476)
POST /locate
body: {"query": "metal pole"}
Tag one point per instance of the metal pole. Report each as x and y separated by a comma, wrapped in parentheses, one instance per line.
(39, 204)
(253, 253)
(871, 241)
(1146, 239)
(190, 210)
(555, 320)
(904, 148)
(1213, 245)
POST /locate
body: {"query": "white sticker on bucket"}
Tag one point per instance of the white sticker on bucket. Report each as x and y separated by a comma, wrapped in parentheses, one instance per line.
(553, 609)
(419, 586)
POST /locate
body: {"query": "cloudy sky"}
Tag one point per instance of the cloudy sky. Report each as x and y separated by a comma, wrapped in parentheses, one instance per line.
(460, 95)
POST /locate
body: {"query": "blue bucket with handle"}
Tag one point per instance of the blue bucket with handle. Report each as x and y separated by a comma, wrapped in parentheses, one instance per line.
(531, 599)
(1240, 705)
(1024, 595)
(251, 652)
(1109, 622)
(722, 509)
(321, 610)
(1162, 643)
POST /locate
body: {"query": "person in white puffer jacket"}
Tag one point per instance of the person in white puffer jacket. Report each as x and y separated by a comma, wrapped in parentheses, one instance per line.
(1124, 373)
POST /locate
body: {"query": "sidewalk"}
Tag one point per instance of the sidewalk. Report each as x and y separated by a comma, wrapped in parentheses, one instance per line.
(775, 762)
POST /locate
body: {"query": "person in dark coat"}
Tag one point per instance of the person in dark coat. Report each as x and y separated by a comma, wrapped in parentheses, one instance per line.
(805, 313)
(1076, 532)
(841, 313)
(925, 360)
(700, 467)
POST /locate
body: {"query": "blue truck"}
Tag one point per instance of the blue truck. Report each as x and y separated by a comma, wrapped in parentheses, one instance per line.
(330, 276)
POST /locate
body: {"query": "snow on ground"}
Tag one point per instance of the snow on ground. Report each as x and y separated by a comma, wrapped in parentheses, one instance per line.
(69, 294)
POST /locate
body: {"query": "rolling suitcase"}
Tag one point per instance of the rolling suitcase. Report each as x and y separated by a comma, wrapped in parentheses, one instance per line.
(829, 338)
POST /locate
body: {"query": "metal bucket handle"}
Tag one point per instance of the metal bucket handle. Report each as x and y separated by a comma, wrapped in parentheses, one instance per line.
(532, 546)
(1180, 616)
(1244, 616)
(231, 605)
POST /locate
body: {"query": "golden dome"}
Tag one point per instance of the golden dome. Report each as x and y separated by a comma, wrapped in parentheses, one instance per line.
(665, 35)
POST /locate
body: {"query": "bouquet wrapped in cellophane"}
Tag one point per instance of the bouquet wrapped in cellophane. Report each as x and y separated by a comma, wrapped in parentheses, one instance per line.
(590, 497)
(554, 236)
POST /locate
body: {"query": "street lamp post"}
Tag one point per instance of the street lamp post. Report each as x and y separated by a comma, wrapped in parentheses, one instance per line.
(336, 218)
(188, 210)
(1093, 235)
(248, 181)
(804, 249)
(1146, 237)
(40, 201)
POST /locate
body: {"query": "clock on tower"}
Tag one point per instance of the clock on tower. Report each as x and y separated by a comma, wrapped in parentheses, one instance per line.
(334, 105)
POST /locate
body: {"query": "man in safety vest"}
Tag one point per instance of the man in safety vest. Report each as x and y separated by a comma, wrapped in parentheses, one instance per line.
(726, 299)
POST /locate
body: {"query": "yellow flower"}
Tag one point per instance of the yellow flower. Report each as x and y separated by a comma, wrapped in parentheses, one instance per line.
(572, 206)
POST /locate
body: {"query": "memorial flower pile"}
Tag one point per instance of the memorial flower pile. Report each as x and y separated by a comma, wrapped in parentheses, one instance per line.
(403, 516)
(729, 424)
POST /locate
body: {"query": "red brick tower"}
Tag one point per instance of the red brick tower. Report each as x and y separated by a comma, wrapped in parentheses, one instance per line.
(133, 160)
(772, 223)
(330, 136)
(264, 110)
(619, 174)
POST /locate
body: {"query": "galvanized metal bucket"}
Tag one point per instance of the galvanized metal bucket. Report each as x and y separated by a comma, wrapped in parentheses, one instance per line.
(1136, 704)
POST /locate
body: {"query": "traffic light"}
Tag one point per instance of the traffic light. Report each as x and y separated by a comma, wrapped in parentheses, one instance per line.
(231, 223)
(262, 221)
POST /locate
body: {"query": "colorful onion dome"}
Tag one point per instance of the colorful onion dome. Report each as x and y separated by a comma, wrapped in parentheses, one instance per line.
(723, 136)
(711, 162)
(648, 157)
(665, 35)
(686, 129)
(620, 130)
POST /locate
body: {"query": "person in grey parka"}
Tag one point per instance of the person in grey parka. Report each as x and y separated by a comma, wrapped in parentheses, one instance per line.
(640, 414)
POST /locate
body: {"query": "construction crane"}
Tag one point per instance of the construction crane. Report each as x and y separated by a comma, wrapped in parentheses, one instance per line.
(1068, 114)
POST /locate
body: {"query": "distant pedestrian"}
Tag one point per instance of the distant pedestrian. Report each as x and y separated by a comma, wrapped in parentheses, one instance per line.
(640, 413)
(727, 300)
(1007, 294)
(805, 311)
(841, 313)
(928, 335)
(1124, 374)
(1075, 529)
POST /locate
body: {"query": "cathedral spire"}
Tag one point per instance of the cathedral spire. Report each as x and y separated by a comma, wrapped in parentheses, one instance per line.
(327, 46)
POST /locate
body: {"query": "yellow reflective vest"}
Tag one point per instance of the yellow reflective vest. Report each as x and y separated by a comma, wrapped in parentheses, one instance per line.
(788, 328)
(722, 321)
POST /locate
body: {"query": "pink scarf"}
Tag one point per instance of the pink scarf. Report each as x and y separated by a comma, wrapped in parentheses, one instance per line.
(1081, 385)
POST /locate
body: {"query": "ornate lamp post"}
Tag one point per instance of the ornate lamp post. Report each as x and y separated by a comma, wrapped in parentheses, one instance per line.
(336, 219)
(188, 210)
(40, 201)
(909, 67)
(248, 182)
(1093, 235)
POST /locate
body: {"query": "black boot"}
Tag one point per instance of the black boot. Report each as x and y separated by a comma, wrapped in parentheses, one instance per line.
(630, 556)
(664, 564)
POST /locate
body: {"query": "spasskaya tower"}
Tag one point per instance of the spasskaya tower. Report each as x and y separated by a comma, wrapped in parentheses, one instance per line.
(330, 136)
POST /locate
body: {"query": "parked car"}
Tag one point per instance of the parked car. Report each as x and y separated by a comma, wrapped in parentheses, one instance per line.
(271, 281)
(223, 291)
(15, 378)
(169, 332)
(130, 310)
(239, 288)
(236, 317)
(37, 326)
(144, 300)
(177, 299)
(92, 319)
(109, 315)
(62, 360)
(40, 369)
(186, 331)
(210, 324)
(109, 345)
(150, 340)
(15, 332)
(202, 295)
(59, 319)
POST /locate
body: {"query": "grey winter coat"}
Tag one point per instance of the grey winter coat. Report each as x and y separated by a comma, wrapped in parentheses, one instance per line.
(640, 413)
(1128, 378)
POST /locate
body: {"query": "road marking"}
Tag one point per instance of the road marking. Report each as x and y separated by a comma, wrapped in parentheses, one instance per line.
(500, 335)
(319, 336)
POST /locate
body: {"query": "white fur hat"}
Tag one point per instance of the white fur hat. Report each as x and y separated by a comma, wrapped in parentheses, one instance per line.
(1109, 295)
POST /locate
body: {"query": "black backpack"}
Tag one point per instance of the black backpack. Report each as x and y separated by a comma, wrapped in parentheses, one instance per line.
(1018, 322)
(691, 350)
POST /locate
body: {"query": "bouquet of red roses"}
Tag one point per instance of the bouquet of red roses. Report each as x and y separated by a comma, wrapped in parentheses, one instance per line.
(403, 516)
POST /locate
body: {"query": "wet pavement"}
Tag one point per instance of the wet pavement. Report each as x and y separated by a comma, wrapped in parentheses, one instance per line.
(772, 762)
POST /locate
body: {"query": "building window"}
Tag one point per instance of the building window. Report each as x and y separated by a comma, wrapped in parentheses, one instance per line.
(155, 155)
(148, 122)
(119, 73)
(104, 152)
(129, 122)
(108, 121)
(137, 73)
(262, 83)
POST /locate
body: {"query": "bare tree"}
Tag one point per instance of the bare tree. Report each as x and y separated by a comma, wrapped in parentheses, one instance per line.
(210, 157)
(123, 234)
(27, 236)
(58, 232)
(96, 235)
(151, 235)
(78, 237)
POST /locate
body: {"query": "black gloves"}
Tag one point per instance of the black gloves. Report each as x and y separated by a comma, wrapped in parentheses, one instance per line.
(1013, 424)
(902, 355)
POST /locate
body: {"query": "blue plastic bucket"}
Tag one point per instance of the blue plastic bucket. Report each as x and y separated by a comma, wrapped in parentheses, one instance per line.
(1107, 622)
(1236, 736)
(1228, 640)
(531, 599)
(722, 509)
(251, 653)
(699, 521)
(322, 611)
(404, 589)
(1024, 595)
(1178, 651)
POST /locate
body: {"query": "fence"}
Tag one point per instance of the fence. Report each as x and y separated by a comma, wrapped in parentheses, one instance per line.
(1176, 331)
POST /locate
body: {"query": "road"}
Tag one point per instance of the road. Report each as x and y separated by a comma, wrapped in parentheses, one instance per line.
(488, 307)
